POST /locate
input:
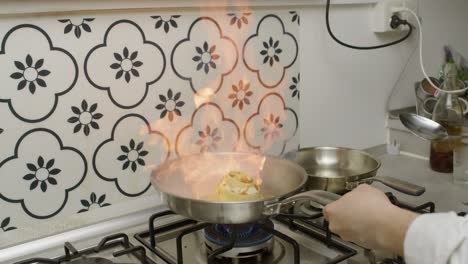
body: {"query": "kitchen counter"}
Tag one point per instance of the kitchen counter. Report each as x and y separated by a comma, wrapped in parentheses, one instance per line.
(410, 143)
(439, 187)
(415, 169)
(413, 165)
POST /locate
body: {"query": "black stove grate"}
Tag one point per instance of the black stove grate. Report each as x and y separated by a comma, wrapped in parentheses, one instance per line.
(193, 226)
(320, 232)
(310, 226)
(119, 240)
(424, 208)
(38, 260)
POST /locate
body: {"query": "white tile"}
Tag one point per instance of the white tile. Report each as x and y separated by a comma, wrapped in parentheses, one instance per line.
(118, 78)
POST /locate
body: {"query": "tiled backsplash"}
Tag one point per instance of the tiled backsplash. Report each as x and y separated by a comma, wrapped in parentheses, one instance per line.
(90, 103)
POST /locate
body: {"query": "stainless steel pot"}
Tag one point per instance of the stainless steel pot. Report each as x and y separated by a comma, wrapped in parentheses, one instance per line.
(188, 185)
(339, 170)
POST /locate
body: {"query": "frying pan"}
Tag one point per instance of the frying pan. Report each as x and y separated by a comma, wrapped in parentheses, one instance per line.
(339, 170)
(188, 185)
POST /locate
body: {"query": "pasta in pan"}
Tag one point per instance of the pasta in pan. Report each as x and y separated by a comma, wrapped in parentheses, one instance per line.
(237, 186)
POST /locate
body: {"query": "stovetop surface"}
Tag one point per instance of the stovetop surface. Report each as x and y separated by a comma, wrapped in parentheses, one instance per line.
(194, 250)
(159, 240)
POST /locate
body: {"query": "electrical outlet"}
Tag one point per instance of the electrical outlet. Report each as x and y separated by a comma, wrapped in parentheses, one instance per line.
(383, 11)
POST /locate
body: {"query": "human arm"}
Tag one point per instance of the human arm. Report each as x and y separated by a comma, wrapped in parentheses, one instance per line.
(437, 238)
(366, 217)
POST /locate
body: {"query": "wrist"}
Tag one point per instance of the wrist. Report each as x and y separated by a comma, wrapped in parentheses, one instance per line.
(393, 227)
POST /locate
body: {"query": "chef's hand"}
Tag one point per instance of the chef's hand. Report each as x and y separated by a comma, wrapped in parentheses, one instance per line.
(366, 217)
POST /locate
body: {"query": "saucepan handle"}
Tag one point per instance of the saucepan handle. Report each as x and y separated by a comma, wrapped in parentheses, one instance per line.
(399, 185)
(317, 198)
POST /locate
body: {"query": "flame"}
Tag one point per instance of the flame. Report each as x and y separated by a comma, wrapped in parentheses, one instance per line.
(277, 112)
(197, 176)
(153, 140)
(204, 96)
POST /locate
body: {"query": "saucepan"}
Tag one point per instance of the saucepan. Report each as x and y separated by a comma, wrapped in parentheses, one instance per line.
(188, 185)
(339, 170)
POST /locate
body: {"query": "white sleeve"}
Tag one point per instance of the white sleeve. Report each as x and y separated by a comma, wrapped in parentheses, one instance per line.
(437, 238)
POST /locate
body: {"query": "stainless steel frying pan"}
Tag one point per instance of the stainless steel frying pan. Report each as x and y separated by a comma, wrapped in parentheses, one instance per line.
(189, 183)
(339, 170)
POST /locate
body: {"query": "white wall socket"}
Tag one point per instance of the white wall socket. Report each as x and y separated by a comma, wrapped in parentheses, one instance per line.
(383, 11)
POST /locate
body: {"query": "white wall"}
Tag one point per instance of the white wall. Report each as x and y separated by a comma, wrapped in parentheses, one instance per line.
(344, 92)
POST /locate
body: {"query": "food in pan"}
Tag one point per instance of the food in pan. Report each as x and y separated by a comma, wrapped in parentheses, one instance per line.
(237, 186)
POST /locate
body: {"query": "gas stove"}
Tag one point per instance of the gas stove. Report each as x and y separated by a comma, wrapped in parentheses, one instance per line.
(300, 235)
(272, 241)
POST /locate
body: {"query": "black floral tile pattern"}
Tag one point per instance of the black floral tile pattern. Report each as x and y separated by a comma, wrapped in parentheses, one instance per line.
(133, 155)
(139, 61)
(239, 19)
(170, 105)
(45, 70)
(210, 66)
(98, 91)
(294, 87)
(5, 225)
(41, 174)
(240, 95)
(271, 52)
(213, 132)
(167, 24)
(85, 118)
(93, 202)
(209, 139)
(126, 158)
(206, 57)
(126, 65)
(30, 74)
(295, 17)
(41, 170)
(76, 28)
(273, 125)
(273, 64)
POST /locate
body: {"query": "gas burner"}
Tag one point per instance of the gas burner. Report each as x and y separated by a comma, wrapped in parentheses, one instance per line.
(246, 234)
(308, 209)
(251, 240)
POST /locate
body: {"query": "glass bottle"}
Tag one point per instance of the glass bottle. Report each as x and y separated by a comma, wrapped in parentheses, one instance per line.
(448, 112)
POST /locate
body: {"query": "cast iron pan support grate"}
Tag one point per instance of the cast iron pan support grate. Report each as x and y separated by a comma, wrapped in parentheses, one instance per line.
(153, 232)
(106, 243)
(211, 258)
(428, 207)
(321, 233)
(182, 234)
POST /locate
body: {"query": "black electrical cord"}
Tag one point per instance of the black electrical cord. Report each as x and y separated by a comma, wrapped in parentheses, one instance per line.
(395, 22)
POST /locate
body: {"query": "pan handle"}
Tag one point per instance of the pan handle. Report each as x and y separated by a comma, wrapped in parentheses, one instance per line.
(399, 185)
(318, 198)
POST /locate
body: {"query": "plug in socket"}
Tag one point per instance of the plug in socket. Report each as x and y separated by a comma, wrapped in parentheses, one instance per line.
(383, 11)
